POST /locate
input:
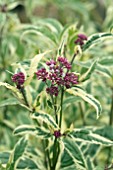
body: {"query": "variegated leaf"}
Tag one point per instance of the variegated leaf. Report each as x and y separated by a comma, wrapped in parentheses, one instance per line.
(75, 153)
(36, 131)
(87, 75)
(45, 117)
(94, 38)
(87, 97)
(33, 67)
(85, 135)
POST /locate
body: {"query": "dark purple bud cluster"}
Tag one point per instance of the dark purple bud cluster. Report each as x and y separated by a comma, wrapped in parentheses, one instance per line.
(70, 79)
(58, 75)
(42, 74)
(80, 40)
(19, 79)
(53, 90)
(64, 62)
(57, 133)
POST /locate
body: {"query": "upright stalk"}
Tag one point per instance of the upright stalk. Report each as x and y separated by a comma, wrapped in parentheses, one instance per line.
(55, 108)
(55, 153)
(56, 144)
(47, 155)
(73, 58)
(61, 105)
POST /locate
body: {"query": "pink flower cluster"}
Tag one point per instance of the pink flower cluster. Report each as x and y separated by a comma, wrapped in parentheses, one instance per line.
(58, 75)
(19, 79)
(80, 40)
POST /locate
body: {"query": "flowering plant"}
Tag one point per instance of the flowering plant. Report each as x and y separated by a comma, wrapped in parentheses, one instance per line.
(60, 146)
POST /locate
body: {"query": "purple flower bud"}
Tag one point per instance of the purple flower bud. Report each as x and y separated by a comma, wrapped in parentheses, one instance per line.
(64, 62)
(79, 42)
(51, 63)
(19, 79)
(70, 79)
(57, 133)
(53, 90)
(82, 36)
(80, 39)
(42, 74)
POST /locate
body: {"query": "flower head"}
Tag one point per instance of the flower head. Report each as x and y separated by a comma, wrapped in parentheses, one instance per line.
(64, 62)
(70, 79)
(80, 40)
(42, 74)
(58, 75)
(19, 79)
(51, 63)
(53, 90)
(82, 36)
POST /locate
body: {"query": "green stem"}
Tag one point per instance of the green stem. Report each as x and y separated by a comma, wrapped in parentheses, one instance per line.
(47, 154)
(55, 153)
(22, 90)
(73, 58)
(55, 108)
(61, 105)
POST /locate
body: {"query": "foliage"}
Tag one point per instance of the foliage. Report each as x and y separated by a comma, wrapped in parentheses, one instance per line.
(57, 86)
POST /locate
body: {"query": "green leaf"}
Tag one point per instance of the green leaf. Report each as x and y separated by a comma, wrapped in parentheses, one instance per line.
(12, 88)
(24, 129)
(1, 167)
(11, 101)
(4, 157)
(91, 149)
(52, 24)
(33, 67)
(18, 151)
(66, 29)
(29, 129)
(85, 135)
(89, 163)
(106, 61)
(42, 31)
(67, 161)
(13, 5)
(93, 39)
(99, 167)
(45, 117)
(43, 133)
(49, 103)
(7, 124)
(87, 75)
(106, 132)
(69, 100)
(103, 70)
(27, 163)
(8, 86)
(74, 151)
(77, 91)
(99, 68)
